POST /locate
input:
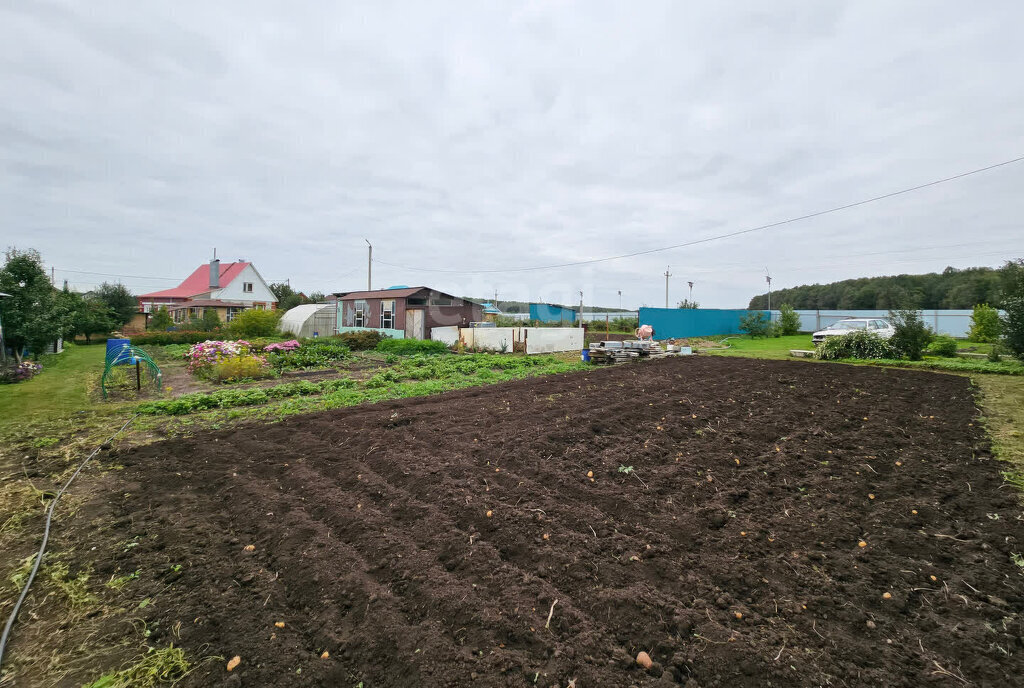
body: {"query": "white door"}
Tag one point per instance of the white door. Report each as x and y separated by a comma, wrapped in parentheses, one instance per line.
(414, 324)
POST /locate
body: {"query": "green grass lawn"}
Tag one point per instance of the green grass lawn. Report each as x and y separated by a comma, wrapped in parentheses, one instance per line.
(67, 385)
(767, 347)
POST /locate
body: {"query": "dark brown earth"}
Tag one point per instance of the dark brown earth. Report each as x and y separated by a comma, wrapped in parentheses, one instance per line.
(424, 542)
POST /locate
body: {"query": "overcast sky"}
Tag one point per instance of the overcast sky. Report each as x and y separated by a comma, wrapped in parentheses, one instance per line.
(136, 137)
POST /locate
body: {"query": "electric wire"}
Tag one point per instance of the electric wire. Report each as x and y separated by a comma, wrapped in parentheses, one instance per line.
(726, 235)
(46, 537)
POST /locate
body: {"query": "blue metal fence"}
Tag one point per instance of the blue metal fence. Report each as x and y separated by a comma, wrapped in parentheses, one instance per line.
(670, 323)
(545, 312)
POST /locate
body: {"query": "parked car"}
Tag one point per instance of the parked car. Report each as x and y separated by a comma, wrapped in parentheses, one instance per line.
(883, 328)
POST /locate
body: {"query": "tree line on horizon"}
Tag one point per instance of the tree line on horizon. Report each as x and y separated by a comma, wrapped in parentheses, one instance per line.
(950, 289)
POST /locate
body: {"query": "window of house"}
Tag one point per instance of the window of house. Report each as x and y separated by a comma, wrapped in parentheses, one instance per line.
(441, 301)
(233, 311)
(418, 301)
(387, 314)
(361, 314)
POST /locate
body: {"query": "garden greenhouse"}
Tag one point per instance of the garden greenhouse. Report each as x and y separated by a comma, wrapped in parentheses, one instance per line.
(310, 320)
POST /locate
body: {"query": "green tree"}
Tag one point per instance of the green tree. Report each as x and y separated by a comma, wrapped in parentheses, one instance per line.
(255, 323)
(210, 321)
(756, 324)
(118, 299)
(32, 316)
(687, 303)
(911, 335)
(789, 320)
(1013, 325)
(287, 298)
(985, 324)
(161, 320)
(1012, 290)
(94, 317)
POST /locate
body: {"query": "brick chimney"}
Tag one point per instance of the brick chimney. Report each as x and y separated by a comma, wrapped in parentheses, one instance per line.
(214, 274)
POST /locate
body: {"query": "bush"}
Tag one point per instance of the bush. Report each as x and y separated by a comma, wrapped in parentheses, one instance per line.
(985, 324)
(408, 347)
(943, 346)
(311, 353)
(1013, 325)
(207, 354)
(19, 373)
(161, 319)
(239, 368)
(857, 344)
(255, 322)
(363, 340)
(757, 324)
(911, 335)
(789, 320)
(165, 338)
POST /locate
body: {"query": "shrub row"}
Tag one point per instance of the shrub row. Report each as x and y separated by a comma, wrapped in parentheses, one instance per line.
(409, 347)
(313, 353)
(360, 341)
(860, 344)
(228, 398)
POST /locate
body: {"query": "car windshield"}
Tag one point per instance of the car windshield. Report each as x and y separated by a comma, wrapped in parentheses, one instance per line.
(848, 325)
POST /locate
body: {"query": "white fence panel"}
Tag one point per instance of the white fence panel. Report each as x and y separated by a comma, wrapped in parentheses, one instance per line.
(955, 323)
(492, 338)
(544, 340)
(448, 335)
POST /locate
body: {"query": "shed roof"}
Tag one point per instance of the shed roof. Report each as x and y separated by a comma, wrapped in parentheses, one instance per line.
(382, 293)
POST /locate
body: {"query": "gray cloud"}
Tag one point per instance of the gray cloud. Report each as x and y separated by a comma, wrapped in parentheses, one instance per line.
(135, 138)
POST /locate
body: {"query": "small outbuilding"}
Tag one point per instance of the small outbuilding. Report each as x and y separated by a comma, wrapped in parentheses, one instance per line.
(408, 312)
(552, 313)
(310, 320)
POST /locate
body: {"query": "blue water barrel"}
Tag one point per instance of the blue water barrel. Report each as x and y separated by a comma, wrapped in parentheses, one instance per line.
(585, 355)
(117, 348)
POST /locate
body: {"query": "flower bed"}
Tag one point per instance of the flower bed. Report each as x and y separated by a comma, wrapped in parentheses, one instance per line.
(19, 373)
(226, 361)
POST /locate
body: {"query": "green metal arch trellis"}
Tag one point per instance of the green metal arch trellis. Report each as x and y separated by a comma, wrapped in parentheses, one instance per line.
(131, 355)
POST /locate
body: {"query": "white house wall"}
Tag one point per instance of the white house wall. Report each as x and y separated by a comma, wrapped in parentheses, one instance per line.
(233, 291)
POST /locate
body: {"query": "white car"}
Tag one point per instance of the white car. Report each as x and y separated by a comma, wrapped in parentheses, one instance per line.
(883, 328)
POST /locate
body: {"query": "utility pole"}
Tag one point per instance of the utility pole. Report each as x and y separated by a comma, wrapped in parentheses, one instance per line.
(768, 279)
(581, 306)
(620, 299)
(667, 275)
(369, 266)
(691, 292)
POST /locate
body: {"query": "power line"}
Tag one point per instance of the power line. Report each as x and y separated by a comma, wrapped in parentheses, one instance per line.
(727, 235)
(108, 274)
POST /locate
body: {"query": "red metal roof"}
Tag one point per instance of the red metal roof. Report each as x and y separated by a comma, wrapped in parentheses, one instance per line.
(199, 282)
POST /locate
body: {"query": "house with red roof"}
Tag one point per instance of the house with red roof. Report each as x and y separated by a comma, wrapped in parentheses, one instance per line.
(228, 289)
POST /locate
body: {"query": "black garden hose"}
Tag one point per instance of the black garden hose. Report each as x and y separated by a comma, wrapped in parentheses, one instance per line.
(46, 537)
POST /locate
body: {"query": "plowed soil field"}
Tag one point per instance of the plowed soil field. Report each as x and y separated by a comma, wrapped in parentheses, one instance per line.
(746, 523)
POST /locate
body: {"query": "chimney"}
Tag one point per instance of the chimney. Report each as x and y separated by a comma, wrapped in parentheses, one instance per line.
(214, 274)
